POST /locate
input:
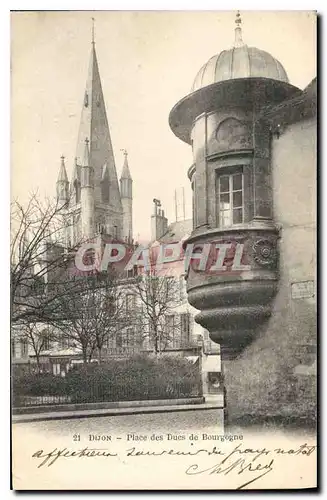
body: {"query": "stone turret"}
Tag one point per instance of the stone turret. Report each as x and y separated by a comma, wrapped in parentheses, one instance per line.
(245, 167)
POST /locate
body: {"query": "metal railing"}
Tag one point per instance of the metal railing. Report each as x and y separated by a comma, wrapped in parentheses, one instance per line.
(91, 393)
(25, 401)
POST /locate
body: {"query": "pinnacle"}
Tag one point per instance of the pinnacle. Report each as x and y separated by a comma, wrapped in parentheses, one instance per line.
(125, 171)
(62, 177)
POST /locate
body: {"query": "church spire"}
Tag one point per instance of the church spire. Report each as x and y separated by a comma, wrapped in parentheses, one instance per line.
(96, 199)
(94, 126)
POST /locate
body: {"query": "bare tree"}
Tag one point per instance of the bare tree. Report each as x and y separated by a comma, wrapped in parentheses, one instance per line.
(93, 313)
(45, 287)
(38, 259)
(158, 297)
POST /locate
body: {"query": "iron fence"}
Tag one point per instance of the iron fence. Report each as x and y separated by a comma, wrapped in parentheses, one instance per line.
(25, 401)
(91, 393)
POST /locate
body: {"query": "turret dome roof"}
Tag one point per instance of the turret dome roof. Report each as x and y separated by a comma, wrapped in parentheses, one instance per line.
(239, 62)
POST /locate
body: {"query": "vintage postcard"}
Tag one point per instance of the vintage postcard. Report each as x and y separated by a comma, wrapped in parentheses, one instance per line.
(163, 250)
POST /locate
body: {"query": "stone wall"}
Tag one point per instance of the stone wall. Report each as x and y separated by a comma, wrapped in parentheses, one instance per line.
(275, 375)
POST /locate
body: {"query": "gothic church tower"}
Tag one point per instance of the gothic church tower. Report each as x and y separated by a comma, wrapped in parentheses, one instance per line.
(95, 202)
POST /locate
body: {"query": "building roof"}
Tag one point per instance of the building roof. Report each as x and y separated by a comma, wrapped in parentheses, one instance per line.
(300, 107)
(177, 231)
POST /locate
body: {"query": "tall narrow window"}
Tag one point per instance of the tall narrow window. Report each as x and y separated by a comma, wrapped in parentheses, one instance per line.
(112, 306)
(130, 302)
(77, 186)
(23, 348)
(46, 341)
(185, 329)
(119, 339)
(172, 337)
(62, 343)
(182, 288)
(128, 340)
(230, 199)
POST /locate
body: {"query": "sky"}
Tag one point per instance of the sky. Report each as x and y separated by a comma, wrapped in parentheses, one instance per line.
(147, 61)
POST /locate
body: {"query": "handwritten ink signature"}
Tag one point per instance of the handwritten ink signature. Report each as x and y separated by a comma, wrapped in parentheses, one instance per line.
(232, 462)
(238, 465)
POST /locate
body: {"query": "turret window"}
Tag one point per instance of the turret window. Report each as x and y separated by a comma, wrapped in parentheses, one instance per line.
(230, 203)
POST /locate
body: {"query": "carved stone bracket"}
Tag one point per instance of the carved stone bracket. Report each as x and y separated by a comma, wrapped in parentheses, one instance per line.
(235, 301)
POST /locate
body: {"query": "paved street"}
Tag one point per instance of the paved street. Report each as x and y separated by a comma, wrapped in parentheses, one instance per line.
(180, 421)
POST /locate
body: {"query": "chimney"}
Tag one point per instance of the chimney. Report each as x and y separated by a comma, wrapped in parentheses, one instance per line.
(159, 223)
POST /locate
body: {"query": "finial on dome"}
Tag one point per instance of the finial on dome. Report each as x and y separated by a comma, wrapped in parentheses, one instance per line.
(238, 31)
